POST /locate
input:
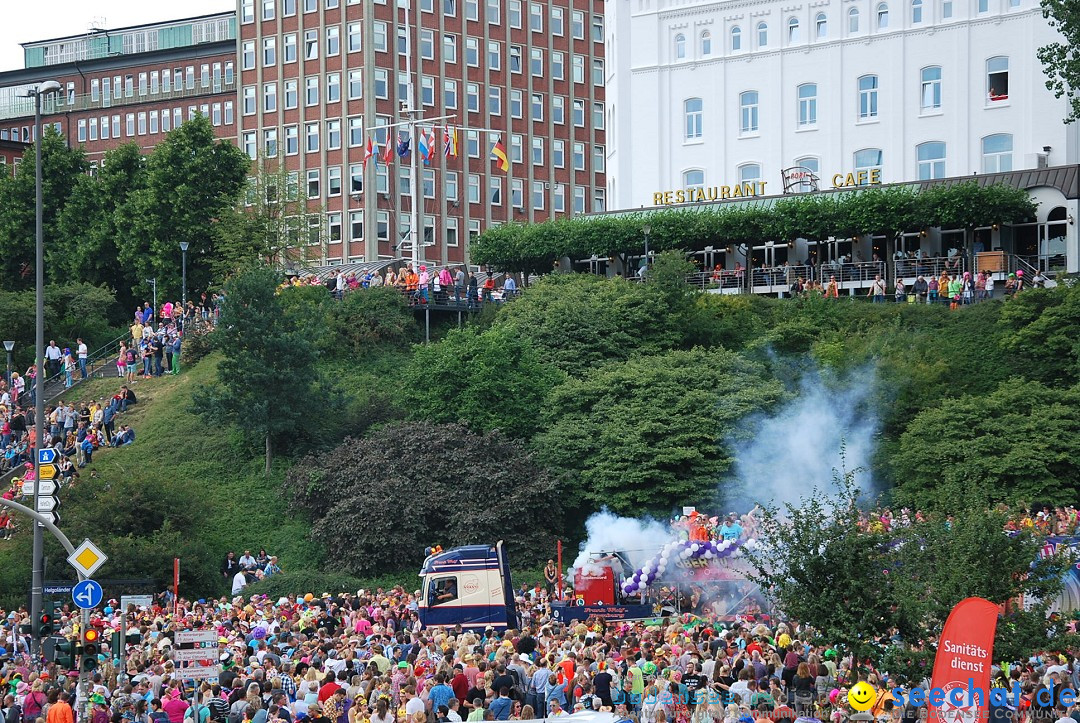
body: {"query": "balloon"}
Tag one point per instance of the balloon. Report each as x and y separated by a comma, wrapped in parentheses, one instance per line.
(309, 597)
(695, 547)
(708, 555)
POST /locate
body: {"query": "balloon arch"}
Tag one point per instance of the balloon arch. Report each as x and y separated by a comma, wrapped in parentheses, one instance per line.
(678, 550)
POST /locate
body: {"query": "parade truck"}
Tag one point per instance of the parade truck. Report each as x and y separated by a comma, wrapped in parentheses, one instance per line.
(471, 587)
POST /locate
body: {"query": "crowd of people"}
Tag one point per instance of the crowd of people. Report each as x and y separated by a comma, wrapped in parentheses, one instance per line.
(76, 430)
(365, 658)
(458, 286)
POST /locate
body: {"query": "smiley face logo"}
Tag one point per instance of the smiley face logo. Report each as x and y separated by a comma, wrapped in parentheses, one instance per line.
(862, 696)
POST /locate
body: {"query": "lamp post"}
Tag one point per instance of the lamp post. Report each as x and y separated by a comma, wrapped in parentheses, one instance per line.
(9, 346)
(646, 229)
(45, 88)
(183, 287)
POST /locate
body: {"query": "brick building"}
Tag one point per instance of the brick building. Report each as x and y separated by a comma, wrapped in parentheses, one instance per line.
(306, 82)
(126, 84)
(319, 76)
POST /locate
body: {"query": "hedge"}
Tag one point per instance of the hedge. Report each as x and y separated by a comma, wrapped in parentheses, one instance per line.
(888, 211)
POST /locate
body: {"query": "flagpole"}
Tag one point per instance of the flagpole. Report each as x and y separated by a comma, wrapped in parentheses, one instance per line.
(410, 110)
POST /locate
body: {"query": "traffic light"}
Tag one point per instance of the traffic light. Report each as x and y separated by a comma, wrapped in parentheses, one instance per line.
(64, 654)
(46, 623)
(117, 644)
(90, 648)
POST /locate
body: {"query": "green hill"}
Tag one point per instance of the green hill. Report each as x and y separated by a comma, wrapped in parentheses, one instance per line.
(635, 397)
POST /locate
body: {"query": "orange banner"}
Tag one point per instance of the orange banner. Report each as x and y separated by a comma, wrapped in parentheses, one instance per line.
(962, 664)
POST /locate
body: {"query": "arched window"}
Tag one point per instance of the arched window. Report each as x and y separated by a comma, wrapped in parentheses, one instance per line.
(997, 153)
(807, 104)
(916, 12)
(930, 157)
(693, 178)
(867, 159)
(706, 43)
(736, 38)
(868, 97)
(882, 16)
(748, 112)
(821, 26)
(810, 164)
(749, 172)
(931, 87)
(693, 112)
(793, 30)
(853, 20)
(680, 46)
(763, 35)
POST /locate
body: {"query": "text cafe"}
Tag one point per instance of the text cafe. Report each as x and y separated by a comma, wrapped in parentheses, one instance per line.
(702, 194)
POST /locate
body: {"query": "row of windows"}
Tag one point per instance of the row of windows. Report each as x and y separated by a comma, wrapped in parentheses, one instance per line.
(150, 122)
(493, 57)
(328, 134)
(820, 28)
(997, 157)
(333, 228)
(167, 80)
(290, 97)
(493, 12)
(867, 89)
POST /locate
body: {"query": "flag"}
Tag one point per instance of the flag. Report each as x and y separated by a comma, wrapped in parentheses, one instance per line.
(403, 147)
(388, 155)
(499, 155)
(422, 146)
(964, 655)
(372, 151)
(430, 155)
(450, 142)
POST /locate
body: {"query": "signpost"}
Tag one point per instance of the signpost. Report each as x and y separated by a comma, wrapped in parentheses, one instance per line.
(45, 490)
(195, 646)
(87, 558)
(87, 594)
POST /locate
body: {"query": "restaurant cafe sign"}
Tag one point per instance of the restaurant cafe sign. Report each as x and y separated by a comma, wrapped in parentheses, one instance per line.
(797, 179)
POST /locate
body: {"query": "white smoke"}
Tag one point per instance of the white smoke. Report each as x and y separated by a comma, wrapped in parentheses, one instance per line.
(637, 539)
(827, 428)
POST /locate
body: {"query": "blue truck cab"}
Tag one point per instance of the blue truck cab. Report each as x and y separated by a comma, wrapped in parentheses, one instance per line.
(468, 586)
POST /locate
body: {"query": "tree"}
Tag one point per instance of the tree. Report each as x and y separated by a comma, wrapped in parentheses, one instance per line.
(473, 488)
(490, 380)
(86, 246)
(62, 168)
(576, 321)
(889, 592)
(192, 179)
(648, 434)
(1061, 61)
(1022, 441)
(1042, 333)
(268, 373)
(265, 225)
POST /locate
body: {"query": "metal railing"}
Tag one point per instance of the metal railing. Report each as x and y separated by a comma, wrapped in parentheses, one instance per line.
(857, 274)
(927, 267)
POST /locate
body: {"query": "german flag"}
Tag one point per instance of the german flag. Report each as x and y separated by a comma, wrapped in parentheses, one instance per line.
(498, 154)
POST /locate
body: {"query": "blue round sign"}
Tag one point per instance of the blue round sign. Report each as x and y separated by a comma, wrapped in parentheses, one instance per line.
(87, 594)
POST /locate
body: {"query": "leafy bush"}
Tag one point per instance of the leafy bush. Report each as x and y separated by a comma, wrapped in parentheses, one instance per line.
(434, 484)
(370, 318)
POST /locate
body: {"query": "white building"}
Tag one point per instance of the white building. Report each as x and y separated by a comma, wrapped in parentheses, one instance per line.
(707, 93)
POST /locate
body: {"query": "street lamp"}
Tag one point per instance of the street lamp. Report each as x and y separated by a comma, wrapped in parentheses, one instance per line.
(9, 346)
(46, 88)
(183, 289)
(646, 229)
(153, 283)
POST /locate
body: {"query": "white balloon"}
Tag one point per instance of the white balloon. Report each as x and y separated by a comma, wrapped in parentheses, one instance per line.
(695, 547)
(708, 555)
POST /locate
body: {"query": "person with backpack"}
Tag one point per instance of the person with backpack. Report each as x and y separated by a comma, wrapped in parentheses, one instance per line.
(34, 703)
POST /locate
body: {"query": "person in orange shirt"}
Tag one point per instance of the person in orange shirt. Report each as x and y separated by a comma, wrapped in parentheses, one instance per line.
(60, 711)
(568, 669)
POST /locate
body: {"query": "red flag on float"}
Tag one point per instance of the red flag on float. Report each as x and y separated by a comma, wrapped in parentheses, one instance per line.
(964, 655)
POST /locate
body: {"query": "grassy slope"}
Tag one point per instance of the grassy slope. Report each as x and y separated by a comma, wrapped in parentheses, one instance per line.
(236, 506)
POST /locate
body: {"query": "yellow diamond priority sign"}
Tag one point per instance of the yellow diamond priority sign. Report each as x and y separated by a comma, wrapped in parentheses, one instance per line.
(87, 558)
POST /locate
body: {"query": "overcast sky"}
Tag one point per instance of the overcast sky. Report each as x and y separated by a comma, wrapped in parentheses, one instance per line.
(25, 21)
